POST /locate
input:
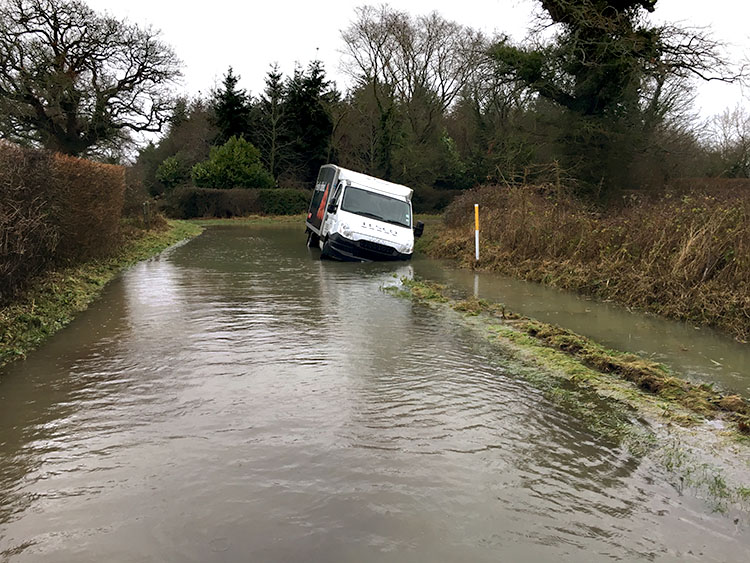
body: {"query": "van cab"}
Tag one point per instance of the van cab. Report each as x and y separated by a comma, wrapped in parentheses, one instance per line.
(356, 217)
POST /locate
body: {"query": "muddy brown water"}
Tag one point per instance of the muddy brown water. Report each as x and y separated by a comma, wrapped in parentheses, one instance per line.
(236, 399)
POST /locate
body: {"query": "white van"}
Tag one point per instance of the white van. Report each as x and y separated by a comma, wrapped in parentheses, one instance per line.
(356, 217)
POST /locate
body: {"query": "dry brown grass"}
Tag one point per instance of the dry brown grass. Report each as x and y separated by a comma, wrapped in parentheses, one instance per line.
(684, 255)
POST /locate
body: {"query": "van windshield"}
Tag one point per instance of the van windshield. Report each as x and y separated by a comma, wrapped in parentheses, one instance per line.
(376, 206)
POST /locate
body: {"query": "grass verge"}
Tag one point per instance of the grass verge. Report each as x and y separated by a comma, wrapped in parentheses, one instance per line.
(54, 299)
(683, 256)
(702, 401)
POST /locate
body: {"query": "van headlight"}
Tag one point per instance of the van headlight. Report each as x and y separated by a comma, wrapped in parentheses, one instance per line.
(345, 230)
(405, 248)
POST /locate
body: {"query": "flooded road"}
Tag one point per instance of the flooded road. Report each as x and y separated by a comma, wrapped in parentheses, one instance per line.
(699, 354)
(239, 400)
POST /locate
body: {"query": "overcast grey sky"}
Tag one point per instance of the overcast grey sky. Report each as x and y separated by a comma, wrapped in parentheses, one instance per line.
(249, 36)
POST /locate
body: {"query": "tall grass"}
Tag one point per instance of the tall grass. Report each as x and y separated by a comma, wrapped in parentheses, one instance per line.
(683, 255)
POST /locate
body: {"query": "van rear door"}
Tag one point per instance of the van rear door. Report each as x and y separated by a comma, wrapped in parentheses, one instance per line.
(323, 188)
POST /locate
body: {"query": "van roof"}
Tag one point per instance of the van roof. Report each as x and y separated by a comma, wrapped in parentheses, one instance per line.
(375, 183)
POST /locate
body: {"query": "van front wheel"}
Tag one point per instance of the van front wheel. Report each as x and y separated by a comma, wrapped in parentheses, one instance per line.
(325, 248)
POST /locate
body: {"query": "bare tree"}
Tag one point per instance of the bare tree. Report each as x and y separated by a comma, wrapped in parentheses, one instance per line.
(76, 81)
(415, 68)
(412, 54)
(730, 139)
(369, 45)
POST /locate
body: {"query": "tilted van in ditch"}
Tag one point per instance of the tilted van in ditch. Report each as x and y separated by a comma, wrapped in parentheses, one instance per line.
(356, 217)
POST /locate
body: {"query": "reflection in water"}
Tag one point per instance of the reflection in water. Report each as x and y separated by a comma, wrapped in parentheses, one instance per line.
(238, 399)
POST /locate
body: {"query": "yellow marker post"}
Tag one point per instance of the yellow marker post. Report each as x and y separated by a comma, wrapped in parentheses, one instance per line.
(476, 231)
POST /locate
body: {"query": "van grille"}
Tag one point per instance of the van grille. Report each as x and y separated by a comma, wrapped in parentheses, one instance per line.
(376, 247)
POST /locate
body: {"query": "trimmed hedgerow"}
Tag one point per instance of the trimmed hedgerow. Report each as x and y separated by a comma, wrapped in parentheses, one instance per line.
(282, 201)
(54, 210)
(90, 199)
(188, 202)
(28, 237)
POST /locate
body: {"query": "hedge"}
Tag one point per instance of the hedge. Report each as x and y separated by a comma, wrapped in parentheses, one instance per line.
(90, 199)
(188, 202)
(54, 210)
(284, 201)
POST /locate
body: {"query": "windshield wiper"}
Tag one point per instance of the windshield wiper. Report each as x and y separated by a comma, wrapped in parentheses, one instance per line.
(379, 218)
(368, 214)
(394, 222)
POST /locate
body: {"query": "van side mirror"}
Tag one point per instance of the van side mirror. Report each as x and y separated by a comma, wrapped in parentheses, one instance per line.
(418, 229)
(331, 208)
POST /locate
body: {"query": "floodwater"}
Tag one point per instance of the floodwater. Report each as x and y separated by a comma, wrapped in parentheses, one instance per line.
(699, 354)
(237, 399)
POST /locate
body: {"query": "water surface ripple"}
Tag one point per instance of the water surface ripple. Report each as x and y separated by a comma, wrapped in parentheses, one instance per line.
(239, 400)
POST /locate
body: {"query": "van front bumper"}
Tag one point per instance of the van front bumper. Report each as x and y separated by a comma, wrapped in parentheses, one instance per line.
(341, 248)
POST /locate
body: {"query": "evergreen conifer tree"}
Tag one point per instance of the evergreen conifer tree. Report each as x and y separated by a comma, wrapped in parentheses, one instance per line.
(272, 133)
(308, 119)
(231, 107)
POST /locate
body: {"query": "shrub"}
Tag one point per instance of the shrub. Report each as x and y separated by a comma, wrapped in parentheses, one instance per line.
(284, 201)
(235, 164)
(188, 202)
(173, 171)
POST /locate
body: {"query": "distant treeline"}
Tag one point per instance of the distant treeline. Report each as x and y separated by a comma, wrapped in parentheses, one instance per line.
(603, 107)
(598, 98)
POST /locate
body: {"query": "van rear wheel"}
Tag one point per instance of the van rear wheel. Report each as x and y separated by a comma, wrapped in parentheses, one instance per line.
(312, 239)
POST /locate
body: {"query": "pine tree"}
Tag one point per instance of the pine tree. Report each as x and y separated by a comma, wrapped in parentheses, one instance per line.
(271, 131)
(231, 107)
(308, 119)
